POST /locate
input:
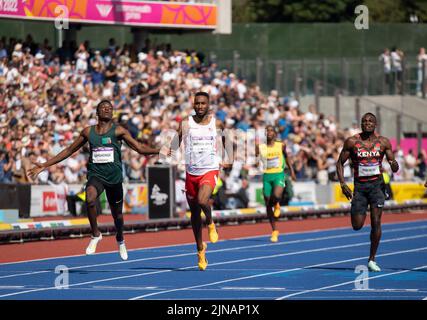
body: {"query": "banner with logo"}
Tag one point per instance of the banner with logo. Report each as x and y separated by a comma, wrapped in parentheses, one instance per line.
(50, 200)
(402, 191)
(161, 191)
(135, 198)
(407, 191)
(304, 193)
(131, 12)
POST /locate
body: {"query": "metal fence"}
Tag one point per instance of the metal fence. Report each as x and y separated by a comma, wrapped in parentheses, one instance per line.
(398, 117)
(354, 76)
(347, 88)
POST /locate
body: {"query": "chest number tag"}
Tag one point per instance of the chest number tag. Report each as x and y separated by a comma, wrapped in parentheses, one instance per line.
(103, 155)
(369, 170)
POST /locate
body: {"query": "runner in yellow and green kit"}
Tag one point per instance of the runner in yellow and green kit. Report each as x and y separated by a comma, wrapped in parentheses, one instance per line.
(274, 156)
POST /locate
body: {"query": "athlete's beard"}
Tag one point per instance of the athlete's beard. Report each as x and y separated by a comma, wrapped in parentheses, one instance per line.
(202, 116)
(367, 134)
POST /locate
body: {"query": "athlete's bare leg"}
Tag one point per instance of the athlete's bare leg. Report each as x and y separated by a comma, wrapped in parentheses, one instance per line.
(357, 221)
(278, 191)
(376, 231)
(117, 213)
(91, 196)
(115, 200)
(203, 197)
(270, 203)
(196, 223)
(270, 215)
(277, 195)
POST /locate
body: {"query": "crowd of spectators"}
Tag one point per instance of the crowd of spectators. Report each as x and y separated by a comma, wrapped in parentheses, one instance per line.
(48, 96)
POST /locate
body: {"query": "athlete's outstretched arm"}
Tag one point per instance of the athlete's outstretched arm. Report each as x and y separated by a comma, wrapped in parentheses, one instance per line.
(124, 135)
(289, 161)
(177, 139)
(344, 155)
(256, 149)
(64, 154)
(390, 155)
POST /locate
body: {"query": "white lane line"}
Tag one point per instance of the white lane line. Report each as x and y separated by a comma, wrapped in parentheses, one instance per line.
(272, 273)
(373, 297)
(233, 239)
(376, 290)
(248, 288)
(218, 263)
(269, 244)
(349, 282)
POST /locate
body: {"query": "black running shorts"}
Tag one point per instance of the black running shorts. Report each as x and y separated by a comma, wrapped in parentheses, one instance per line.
(114, 192)
(367, 193)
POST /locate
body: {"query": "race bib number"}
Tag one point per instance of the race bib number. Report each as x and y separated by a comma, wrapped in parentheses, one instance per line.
(202, 144)
(202, 151)
(103, 155)
(273, 163)
(367, 171)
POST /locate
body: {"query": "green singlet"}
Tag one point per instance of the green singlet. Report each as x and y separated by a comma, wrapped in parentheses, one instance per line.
(105, 161)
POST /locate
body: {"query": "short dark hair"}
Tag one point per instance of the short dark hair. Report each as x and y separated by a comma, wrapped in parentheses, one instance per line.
(370, 114)
(102, 102)
(202, 93)
(272, 127)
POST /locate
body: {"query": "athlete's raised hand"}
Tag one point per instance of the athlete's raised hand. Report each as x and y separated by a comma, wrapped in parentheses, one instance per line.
(34, 171)
(394, 165)
(347, 191)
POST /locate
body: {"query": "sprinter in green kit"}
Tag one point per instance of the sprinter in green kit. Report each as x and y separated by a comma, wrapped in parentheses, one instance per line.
(104, 170)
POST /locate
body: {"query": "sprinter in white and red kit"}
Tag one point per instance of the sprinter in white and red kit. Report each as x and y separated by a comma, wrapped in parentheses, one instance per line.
(203, 141)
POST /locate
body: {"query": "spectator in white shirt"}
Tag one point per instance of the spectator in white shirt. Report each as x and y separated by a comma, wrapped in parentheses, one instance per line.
(396, 67)
(422, 60)
(410, 164)
(241, 89)
(44, 175)
(311, 115)
(82, 56)
(72, 169)
(385, 59)
(399, 156)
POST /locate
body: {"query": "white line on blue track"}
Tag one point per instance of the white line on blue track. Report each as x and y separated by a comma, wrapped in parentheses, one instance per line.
(192, 243)
(234, 261)
(279, 272)
(286, 243)
(349, 282)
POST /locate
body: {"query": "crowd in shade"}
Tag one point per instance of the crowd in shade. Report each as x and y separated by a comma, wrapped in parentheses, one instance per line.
(48, 96)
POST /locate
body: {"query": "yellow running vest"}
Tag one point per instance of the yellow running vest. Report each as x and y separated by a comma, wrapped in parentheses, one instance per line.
(272, 157)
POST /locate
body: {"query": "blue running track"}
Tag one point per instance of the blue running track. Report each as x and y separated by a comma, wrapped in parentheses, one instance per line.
(307, 265)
